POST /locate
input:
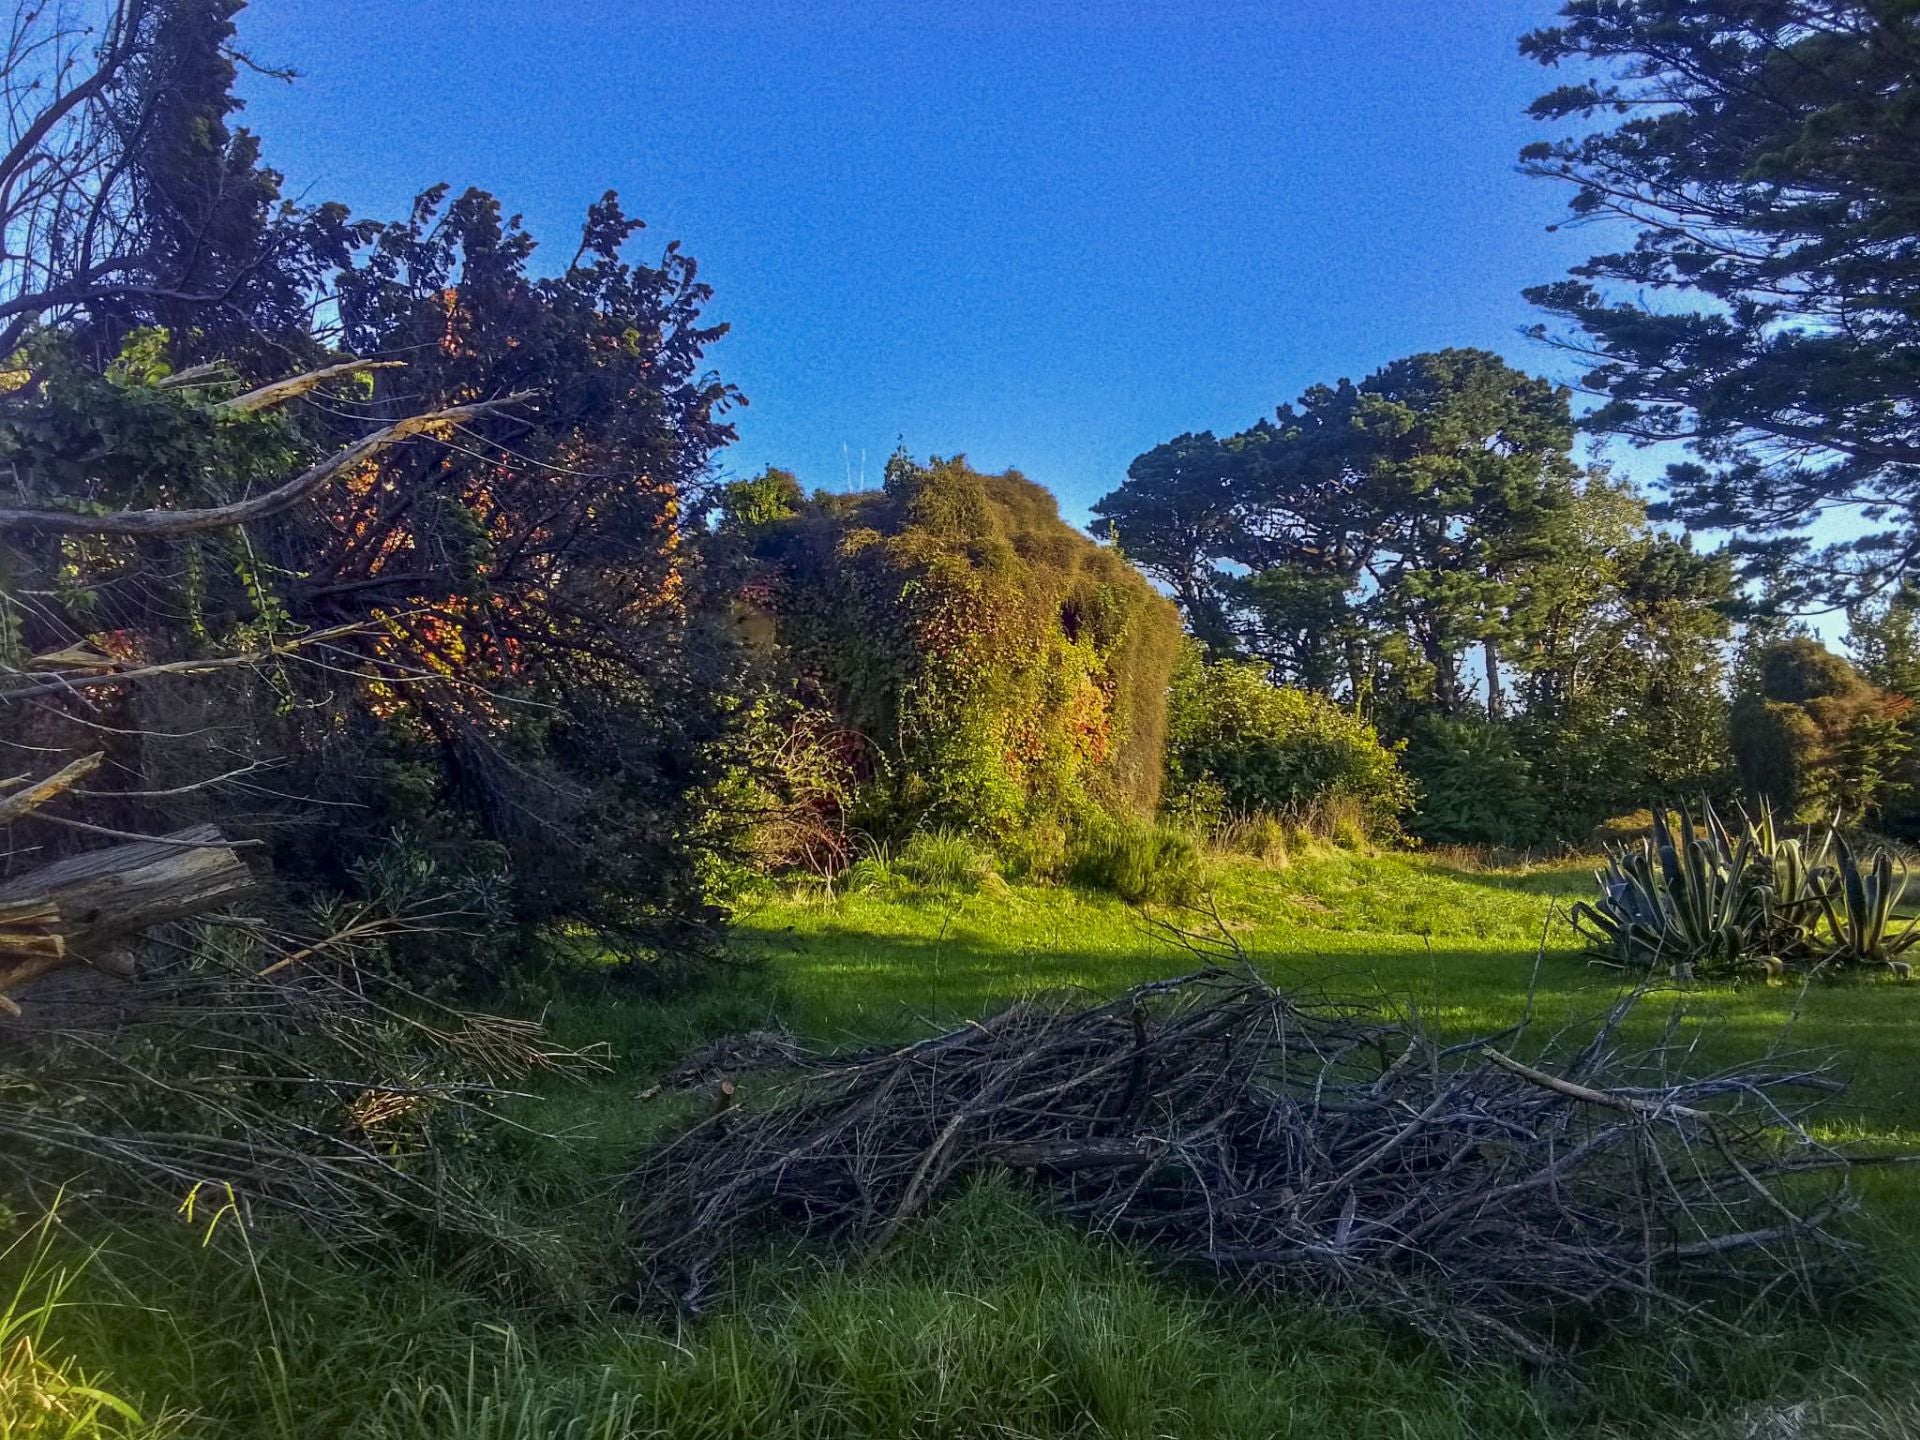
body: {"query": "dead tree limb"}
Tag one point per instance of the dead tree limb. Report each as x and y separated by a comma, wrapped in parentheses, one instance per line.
(103, 897)
(24, 802)
(156, 523)
(118, 673)
(278, 392)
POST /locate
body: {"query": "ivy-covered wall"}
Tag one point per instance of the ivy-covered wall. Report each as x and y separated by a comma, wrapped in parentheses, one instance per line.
(1003, 666)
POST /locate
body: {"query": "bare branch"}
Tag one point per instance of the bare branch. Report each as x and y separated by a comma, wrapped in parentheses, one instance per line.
(24, 802)
(279, 391)
(155, 523)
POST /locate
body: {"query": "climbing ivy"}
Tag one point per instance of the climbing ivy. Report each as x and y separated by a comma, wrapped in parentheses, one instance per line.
(1005, 667)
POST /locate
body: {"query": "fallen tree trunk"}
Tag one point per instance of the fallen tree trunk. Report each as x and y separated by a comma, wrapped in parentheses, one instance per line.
(79, 910)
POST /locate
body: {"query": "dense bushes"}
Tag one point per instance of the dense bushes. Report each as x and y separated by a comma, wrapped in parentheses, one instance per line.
(1002, 669)
(489, 640)
(1238, 744)
(1476, 788)
(1811, 735)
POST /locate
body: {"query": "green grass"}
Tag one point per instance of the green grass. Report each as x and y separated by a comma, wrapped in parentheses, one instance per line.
(991, 1319)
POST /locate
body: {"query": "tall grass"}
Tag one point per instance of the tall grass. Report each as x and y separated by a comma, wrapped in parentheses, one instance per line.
(1138, 861)
(505, 1395)
(933, 862)
(991, 1320)
(947, 862)
(42, 1395)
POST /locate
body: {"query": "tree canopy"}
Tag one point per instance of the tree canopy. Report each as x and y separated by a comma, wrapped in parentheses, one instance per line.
(1767, 309)
(1368, 536)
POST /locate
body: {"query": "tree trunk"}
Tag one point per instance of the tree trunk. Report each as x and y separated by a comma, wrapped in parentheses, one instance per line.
(1496, 697)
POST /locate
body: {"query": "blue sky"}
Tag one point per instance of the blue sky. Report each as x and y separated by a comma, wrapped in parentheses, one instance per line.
(1046, 235)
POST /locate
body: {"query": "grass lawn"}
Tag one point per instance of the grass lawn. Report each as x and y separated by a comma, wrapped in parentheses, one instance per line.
(991, 1319)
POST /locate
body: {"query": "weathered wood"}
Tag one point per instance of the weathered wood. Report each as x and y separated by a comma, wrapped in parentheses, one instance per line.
(29, 933)
(278, 392)
(104, 896)
(25, 802)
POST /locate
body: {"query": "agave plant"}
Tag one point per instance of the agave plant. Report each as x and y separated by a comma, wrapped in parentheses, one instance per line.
(1857, 902)
(1796, 881)
(1699, 900)
(1695, 900)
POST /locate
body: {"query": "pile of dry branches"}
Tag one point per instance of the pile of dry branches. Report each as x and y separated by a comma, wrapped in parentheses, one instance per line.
(1314, 1147)
(313, 1088)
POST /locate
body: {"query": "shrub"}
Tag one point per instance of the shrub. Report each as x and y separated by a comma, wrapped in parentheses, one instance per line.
(1240, 744)
(1036, 852)
(1612, 749)
(788, 786)
(1811, 735)
(1621, 830)
(1142, 863)
(947, 861)
(1476, 788)
(1005, 668)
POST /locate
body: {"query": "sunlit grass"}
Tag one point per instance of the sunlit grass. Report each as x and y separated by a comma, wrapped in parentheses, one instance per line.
(43, 1394)
(992, 1318)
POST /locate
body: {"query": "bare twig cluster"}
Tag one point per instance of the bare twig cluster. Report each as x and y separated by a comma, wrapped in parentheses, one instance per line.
(320, 1091)
(1307, 1146)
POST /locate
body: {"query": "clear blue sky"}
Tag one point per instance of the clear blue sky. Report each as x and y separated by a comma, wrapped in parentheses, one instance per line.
(1046, 235)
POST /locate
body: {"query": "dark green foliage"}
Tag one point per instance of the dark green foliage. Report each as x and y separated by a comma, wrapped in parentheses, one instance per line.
(1622, 685)
(132, 200)
(546, 576)
(1801, 671)
(1366, 538)
(1401, 541)
(1475, 787)
(1000, 667)
(1885, 642)
(1768, 310)
(229, 264)
(1811, 735)
(1238, 744)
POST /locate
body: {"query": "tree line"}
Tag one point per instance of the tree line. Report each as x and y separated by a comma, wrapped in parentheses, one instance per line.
(463, 600)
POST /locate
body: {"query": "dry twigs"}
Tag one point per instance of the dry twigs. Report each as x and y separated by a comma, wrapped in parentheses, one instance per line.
(1291, 1145)
(328, 1093)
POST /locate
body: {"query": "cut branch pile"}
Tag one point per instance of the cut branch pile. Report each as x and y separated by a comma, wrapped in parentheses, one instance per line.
(1311, 1147)
(325, 1093)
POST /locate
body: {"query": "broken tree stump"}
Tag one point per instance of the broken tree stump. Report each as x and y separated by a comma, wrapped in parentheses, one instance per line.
(77, 911)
